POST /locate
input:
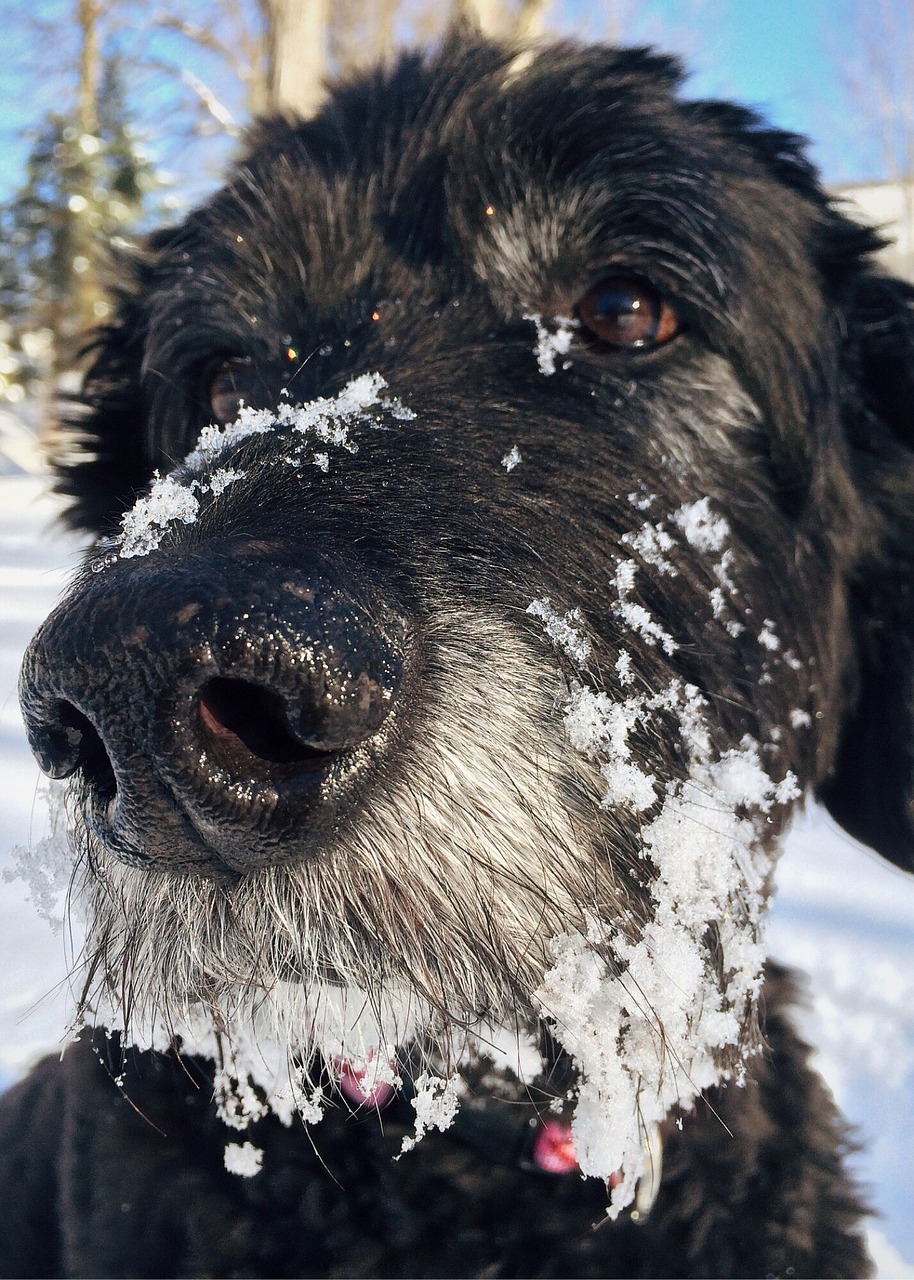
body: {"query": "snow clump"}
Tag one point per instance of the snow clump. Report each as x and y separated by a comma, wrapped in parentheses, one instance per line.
(551, 345)
(436, 1102)
(635, 615)
(47, 867)
(563, 631)
(243, 1159)
(707, 532)
(145, 523)
(767, 637)
(652, 543)
(702, 529)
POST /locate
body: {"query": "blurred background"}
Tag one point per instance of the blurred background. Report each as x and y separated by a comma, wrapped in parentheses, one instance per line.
(118, 115)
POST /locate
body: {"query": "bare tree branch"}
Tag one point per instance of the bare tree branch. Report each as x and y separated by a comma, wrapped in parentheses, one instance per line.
(211, 103)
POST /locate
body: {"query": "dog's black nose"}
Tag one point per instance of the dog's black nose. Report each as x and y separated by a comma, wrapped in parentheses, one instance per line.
(217, 704)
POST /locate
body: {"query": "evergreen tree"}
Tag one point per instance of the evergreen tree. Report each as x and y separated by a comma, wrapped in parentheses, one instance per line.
(86, 181)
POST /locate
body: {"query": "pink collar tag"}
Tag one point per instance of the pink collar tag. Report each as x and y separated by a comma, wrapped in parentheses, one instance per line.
(553, 1148)
(375, 1094)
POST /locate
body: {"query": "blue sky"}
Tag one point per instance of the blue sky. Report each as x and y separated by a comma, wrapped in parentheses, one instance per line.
(784, 57)
(781, 56)
(787, 58)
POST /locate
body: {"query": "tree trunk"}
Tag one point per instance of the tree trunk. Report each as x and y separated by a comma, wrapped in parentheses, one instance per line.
(296, 41)
(484, 14)
(88, 13)
(78, 309)
(521, 21)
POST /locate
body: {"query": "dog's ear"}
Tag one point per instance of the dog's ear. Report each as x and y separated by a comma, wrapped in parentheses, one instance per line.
(97, 445)
(870, 789)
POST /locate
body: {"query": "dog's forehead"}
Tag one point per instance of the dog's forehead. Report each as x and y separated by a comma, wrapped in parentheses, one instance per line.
(529, 174)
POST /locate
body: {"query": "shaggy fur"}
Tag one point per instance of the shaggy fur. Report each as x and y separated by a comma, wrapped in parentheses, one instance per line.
(536, 527)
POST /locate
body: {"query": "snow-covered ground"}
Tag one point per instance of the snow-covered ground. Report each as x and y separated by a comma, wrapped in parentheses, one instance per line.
(842, 915)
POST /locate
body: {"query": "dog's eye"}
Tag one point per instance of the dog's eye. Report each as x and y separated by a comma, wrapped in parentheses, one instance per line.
(627, 311)
(230, 387)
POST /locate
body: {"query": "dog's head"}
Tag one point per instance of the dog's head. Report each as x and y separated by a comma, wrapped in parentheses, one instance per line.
(533, 525)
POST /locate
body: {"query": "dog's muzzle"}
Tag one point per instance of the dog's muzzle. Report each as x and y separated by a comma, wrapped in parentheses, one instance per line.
(217, 703)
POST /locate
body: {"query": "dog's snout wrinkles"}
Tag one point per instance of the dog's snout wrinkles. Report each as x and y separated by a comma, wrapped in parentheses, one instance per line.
(213, 704)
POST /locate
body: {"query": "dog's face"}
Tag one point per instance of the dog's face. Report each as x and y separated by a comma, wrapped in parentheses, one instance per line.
(535, 557)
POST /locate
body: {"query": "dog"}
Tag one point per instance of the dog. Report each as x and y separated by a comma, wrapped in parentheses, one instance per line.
(502, 495)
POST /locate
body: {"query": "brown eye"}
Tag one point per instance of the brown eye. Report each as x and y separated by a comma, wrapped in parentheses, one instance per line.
(627, 311)
(230, 387)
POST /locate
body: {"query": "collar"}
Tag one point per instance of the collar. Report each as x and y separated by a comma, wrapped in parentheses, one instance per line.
(508, 1134)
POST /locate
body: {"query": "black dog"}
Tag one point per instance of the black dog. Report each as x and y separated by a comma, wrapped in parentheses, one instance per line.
(434, 722)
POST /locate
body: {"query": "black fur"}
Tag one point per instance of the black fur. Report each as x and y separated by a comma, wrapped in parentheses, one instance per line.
(753, 1186)
(367, 239)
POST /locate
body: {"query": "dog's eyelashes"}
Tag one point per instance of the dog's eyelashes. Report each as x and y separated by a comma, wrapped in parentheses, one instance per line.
(230, 386)
(629, 312)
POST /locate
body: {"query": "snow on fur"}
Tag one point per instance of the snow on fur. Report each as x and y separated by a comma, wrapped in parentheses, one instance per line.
(258, 1056)
(645, 1020)
(328, 421)
(552, 344)
(645, 1038)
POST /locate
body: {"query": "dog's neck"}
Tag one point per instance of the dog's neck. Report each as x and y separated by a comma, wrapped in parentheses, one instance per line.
(512, 1133)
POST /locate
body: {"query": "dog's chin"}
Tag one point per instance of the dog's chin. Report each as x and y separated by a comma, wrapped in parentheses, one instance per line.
(283, 1028)
(180, 961)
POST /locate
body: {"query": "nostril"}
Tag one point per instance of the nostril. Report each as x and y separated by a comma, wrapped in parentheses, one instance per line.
(239, 717)
(68, 743)
(95, 764)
